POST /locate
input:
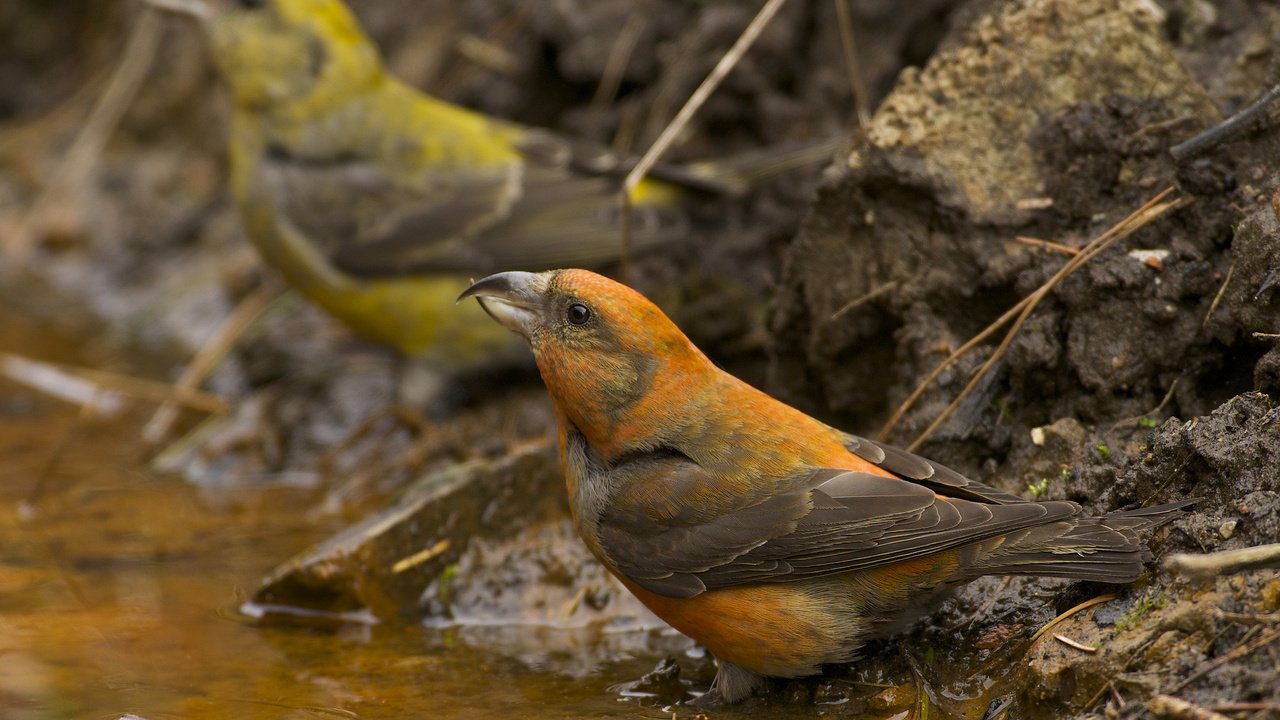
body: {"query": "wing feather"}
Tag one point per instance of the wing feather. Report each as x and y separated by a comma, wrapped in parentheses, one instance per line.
(544, 208)
(821, 522)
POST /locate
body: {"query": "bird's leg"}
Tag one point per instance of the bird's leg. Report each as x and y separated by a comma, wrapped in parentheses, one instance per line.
(731, 684)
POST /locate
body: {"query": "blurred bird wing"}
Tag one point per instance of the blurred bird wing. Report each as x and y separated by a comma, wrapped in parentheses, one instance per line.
(671, 533)
(550, 206)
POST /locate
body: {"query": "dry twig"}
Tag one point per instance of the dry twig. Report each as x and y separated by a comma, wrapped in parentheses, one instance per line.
(686, 113)
(865, 298)
(1074, 643)
(1047, 244)
(206, 360)
(1218, 297)
(1009, 314)
(1166, 706)
(101, 383)
(1228, 129)
(1235, 654)
(1225, 562)
(615, 66)
(1143, 216)
(851, 65)
(1078, 608)
(74, 168)
(1168, 395)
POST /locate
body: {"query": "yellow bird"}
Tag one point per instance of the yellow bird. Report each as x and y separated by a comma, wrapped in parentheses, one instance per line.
(378, 202)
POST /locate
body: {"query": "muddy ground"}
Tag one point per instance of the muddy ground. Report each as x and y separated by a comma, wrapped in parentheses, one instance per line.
(1147, 376)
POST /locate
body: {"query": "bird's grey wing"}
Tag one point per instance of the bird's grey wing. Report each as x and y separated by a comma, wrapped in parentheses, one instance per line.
(374, 219)
(542, 210)
(670, 530)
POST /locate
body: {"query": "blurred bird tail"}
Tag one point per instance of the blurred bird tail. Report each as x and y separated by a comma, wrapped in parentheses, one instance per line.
(1101, 549)
(734, 175)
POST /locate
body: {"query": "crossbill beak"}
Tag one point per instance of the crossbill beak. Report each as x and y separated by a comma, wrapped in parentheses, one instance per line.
(514, 299)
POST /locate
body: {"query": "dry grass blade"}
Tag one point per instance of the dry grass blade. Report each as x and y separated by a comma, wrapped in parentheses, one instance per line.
(28, 507)
(700, 95)
(615, 66)
(1166, 706)
(1153, 412)
(1135, 220)
(1222, 291)
(60, 383)
(206, 360)
(1224, 562)
(851, 65)
(858, 302)
(103, 384)
(1228, 129)
(686, 113)
(1047, 244)
(1144, 216)
(1074, 643)
(956, 355)
(1235, 654)
(511, 25)
(72, 171)
(1078, 608)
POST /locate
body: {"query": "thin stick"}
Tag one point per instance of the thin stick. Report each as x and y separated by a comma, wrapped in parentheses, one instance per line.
(956, 355)
(624, 264)
(135, 386)
(1009, 314)
(1074, 643)
(1227, 130)
(615, 67)
(1168, 395)
(1218, 298)
(700, 95)
(852, 68)
(686, 113)
(1235, 654)
(1047, 244)
(1167, 706)
(1115, 694)
(83, 154)
(857, 302)
(1224, 562)
(1245, 707)
(1078, 608)
(1092, 250)
(506, 28)
(208, 357)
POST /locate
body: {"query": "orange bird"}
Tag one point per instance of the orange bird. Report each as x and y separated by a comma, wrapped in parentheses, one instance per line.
(776, 541)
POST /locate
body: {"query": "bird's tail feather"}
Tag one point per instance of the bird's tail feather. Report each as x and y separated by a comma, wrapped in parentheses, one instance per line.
(1101, 549)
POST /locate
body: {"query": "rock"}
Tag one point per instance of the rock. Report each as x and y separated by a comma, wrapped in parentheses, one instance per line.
(385, 563)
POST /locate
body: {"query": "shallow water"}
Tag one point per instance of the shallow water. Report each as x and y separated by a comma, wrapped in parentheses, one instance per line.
(121, 591)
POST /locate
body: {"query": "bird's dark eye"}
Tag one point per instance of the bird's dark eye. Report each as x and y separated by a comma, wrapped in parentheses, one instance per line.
(579, 314)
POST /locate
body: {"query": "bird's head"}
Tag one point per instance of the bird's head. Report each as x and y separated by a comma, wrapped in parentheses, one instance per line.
(602, 348)
(286, 55)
